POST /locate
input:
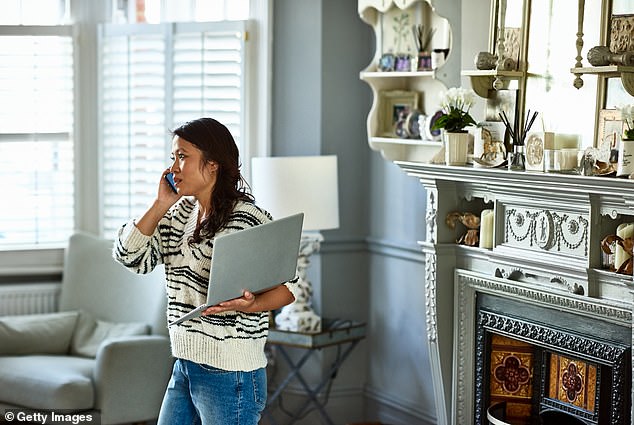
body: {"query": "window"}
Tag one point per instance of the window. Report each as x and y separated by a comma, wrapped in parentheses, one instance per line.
(36, 127)
(72, 159)
(154, 78)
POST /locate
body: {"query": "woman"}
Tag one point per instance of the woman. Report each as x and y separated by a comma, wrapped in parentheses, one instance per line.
(219, 375)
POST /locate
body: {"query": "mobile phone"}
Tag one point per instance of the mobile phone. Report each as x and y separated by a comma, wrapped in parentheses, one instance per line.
(170, 180)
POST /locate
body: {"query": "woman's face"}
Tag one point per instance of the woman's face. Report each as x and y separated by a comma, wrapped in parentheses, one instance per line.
(192, 175)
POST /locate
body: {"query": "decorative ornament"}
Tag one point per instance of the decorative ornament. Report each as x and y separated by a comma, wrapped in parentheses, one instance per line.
(470, 221)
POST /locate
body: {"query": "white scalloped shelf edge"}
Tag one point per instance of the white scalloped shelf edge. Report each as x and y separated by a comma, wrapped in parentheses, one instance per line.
(397, 141)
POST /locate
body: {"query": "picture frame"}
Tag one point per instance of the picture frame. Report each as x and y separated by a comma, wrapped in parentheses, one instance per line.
(610, 129)
(396, 34)
(395, 104)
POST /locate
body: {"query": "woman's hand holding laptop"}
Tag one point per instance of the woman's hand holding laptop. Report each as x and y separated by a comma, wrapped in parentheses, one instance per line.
(249, 303)
(242, 303)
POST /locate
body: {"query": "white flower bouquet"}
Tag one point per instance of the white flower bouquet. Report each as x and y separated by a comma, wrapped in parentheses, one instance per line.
(456, 104)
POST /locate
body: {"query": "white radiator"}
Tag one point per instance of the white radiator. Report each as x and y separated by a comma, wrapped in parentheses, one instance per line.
(28, 298)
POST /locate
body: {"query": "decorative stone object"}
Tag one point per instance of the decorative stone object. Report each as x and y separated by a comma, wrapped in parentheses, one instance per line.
(602, 56)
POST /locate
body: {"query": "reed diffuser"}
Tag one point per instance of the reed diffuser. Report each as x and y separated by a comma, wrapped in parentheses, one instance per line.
(517, 159)
(423, 38)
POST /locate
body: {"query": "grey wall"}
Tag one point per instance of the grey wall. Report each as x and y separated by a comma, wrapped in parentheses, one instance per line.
(371, 268)
(319, 108)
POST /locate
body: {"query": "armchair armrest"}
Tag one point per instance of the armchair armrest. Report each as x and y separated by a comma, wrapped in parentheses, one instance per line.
(131, 375)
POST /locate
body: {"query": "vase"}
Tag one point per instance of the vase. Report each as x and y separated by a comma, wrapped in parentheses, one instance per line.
(456, 147)
(516, 160)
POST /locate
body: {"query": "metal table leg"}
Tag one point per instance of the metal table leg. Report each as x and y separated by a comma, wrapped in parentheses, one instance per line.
(312, 393)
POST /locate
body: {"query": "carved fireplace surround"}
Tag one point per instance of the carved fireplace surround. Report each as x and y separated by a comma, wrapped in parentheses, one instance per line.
(542, 285)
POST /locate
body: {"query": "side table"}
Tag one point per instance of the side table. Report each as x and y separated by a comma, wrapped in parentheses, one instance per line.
(343, 334)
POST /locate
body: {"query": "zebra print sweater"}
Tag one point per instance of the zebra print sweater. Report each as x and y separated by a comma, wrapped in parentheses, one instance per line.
(229, 340)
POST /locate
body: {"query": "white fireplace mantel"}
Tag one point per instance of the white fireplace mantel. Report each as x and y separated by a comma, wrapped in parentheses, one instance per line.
(561, 255)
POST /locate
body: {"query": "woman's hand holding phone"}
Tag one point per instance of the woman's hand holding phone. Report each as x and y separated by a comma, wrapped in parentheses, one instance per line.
(168, 192)
(166, 197)
(170, 180)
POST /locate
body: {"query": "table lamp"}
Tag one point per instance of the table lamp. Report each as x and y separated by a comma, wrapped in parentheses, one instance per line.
(289, 185)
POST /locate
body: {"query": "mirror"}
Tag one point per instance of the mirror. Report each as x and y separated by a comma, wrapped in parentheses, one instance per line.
(615, 94)
(551, 55)
(512, 29)
(622, 7)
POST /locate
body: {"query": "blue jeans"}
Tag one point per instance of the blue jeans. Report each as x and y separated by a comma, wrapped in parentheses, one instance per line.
(199, 394)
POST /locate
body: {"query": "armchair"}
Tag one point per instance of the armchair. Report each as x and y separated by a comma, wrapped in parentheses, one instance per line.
(105, 351)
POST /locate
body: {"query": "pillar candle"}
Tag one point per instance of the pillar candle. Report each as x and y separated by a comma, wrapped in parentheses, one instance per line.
(625, 230)
(486, 229)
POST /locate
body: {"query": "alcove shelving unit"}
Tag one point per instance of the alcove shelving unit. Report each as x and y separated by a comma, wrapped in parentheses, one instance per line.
(373, 13)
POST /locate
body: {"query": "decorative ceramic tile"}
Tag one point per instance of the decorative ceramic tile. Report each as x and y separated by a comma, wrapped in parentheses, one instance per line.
(511, 376)
(573, 382)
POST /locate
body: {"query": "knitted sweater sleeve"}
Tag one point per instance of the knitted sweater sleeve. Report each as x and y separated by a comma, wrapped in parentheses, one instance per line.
(138, 252)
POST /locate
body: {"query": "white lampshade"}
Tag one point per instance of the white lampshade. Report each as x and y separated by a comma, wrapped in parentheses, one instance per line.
(292, 184)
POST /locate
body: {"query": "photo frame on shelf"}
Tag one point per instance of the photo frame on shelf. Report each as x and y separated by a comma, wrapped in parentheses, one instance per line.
(395, 104)
(609, 129)
(396, 30)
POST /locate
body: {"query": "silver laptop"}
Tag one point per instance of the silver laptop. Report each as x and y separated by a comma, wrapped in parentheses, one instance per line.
(255, 259)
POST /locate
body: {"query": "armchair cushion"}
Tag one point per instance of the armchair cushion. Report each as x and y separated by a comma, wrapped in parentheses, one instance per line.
(37, 333)
(47, 382)
(90, 333)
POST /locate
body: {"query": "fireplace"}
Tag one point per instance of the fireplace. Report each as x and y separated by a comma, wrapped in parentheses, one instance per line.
(541, 289)
(546, 362)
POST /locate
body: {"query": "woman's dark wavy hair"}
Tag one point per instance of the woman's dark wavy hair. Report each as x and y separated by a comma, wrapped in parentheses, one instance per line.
(216, 144)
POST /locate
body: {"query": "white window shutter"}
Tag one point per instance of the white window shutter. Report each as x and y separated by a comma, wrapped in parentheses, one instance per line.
(154, 78)
(133, 129)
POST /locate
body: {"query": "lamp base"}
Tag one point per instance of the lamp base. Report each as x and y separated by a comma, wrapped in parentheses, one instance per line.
(298, 321)
(299, 316)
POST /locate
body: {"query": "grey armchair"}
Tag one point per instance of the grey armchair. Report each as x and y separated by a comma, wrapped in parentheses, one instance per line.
(106, 351)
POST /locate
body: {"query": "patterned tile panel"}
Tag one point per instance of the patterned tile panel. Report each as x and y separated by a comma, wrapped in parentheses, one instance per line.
(511, 376)
(572, 382)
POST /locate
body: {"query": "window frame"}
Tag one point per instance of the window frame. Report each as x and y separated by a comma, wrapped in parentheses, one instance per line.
(42, 259)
